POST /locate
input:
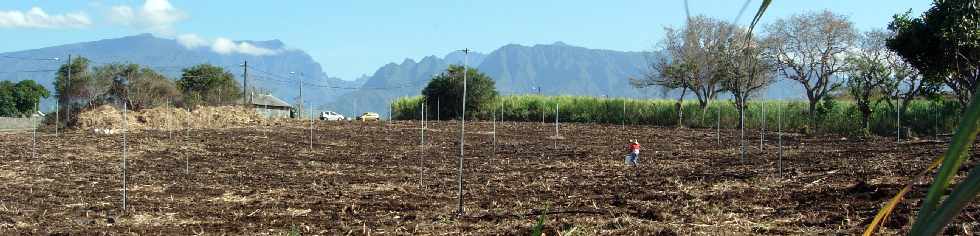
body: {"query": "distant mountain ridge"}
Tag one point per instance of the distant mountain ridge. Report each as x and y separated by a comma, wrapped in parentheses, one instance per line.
(558, 69)
(167, 56)
(552, 69)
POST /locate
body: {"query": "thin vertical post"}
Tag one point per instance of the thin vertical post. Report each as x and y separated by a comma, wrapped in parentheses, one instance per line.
(762, 138)
(718, 125)
(556, 124)
(125, 150)
(741, 120)
(246, 99)
(779, 132)
(898, 126)
(67, 91)
(311, 130)
(462, 133)
(422, 144)
(34, 135)
(624, 114)
(57, 119)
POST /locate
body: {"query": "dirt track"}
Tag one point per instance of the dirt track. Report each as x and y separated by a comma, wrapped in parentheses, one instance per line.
(365, 178)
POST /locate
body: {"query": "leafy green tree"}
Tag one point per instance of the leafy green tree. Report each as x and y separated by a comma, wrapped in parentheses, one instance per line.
(28, 94)
(8, 103)
(209, 85)
(139, 87)
(943, 44)
(447, 87)
(20, 99)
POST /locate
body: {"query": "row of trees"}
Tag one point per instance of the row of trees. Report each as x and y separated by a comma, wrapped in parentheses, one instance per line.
(79, 85)
(827, 56)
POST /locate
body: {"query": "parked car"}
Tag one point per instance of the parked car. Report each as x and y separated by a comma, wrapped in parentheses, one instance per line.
(332, 116)
(369, 116)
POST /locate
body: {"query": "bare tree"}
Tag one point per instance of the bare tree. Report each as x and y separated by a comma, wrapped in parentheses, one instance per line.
(690, 60)
(747, 71)
(665, 70)
(810, 48)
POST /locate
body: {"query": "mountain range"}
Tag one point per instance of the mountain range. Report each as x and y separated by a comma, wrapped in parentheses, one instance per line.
(549, 69)
(270, 72)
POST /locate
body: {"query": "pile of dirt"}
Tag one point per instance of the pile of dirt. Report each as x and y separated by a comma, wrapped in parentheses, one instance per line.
(164, 118)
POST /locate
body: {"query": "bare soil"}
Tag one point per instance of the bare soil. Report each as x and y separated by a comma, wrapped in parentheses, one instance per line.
(377, 178)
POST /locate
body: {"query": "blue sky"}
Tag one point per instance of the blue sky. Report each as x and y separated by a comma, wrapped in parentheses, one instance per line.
(351, 38)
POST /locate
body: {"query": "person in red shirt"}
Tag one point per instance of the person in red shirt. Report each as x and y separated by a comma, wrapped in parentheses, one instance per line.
(634, 153)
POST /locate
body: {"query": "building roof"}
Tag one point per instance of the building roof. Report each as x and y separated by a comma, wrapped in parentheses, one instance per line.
(268, 100)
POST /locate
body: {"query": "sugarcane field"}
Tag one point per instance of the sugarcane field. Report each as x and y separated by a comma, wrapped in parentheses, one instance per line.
(506, 117)
(268, 176)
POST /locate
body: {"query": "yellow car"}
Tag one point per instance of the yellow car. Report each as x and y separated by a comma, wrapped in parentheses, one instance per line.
(369, 116)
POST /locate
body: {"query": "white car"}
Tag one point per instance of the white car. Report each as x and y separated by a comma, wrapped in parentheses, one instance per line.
(332, 116)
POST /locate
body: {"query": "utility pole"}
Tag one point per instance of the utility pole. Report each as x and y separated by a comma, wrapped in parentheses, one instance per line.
(246, 99)
(462, 133)
(67, 90)
(299, 111)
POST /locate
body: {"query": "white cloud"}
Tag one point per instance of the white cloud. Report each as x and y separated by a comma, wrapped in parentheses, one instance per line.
(159, 16)
(155, 15)
(122, 15)
(37, 18)
(226, 46)
(191, 41)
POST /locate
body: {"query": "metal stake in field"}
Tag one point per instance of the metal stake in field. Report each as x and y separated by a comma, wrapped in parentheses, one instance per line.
(779, 132)
(624, 114)
(718, 126)
(56, 118)
(422, 144)
(34, 135)
(556, 125)
(898, 120)
(462, 133)
(494, 133)
(311, 130)
(762, 135)
(741, 120)
(124, 152)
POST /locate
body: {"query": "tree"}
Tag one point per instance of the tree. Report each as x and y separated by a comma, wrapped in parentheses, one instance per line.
(28, 95)
(906, 83)
(77, 91)
(869, 72)
(693, 62)
(810, 48)
(669, 76)
(943, 44)
(139, 87)
(20, 99)
(447, 88)
(8, 103)
(208, 84)
(746, 71)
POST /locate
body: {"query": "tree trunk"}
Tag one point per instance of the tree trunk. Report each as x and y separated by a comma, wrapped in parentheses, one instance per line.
(812, 111)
